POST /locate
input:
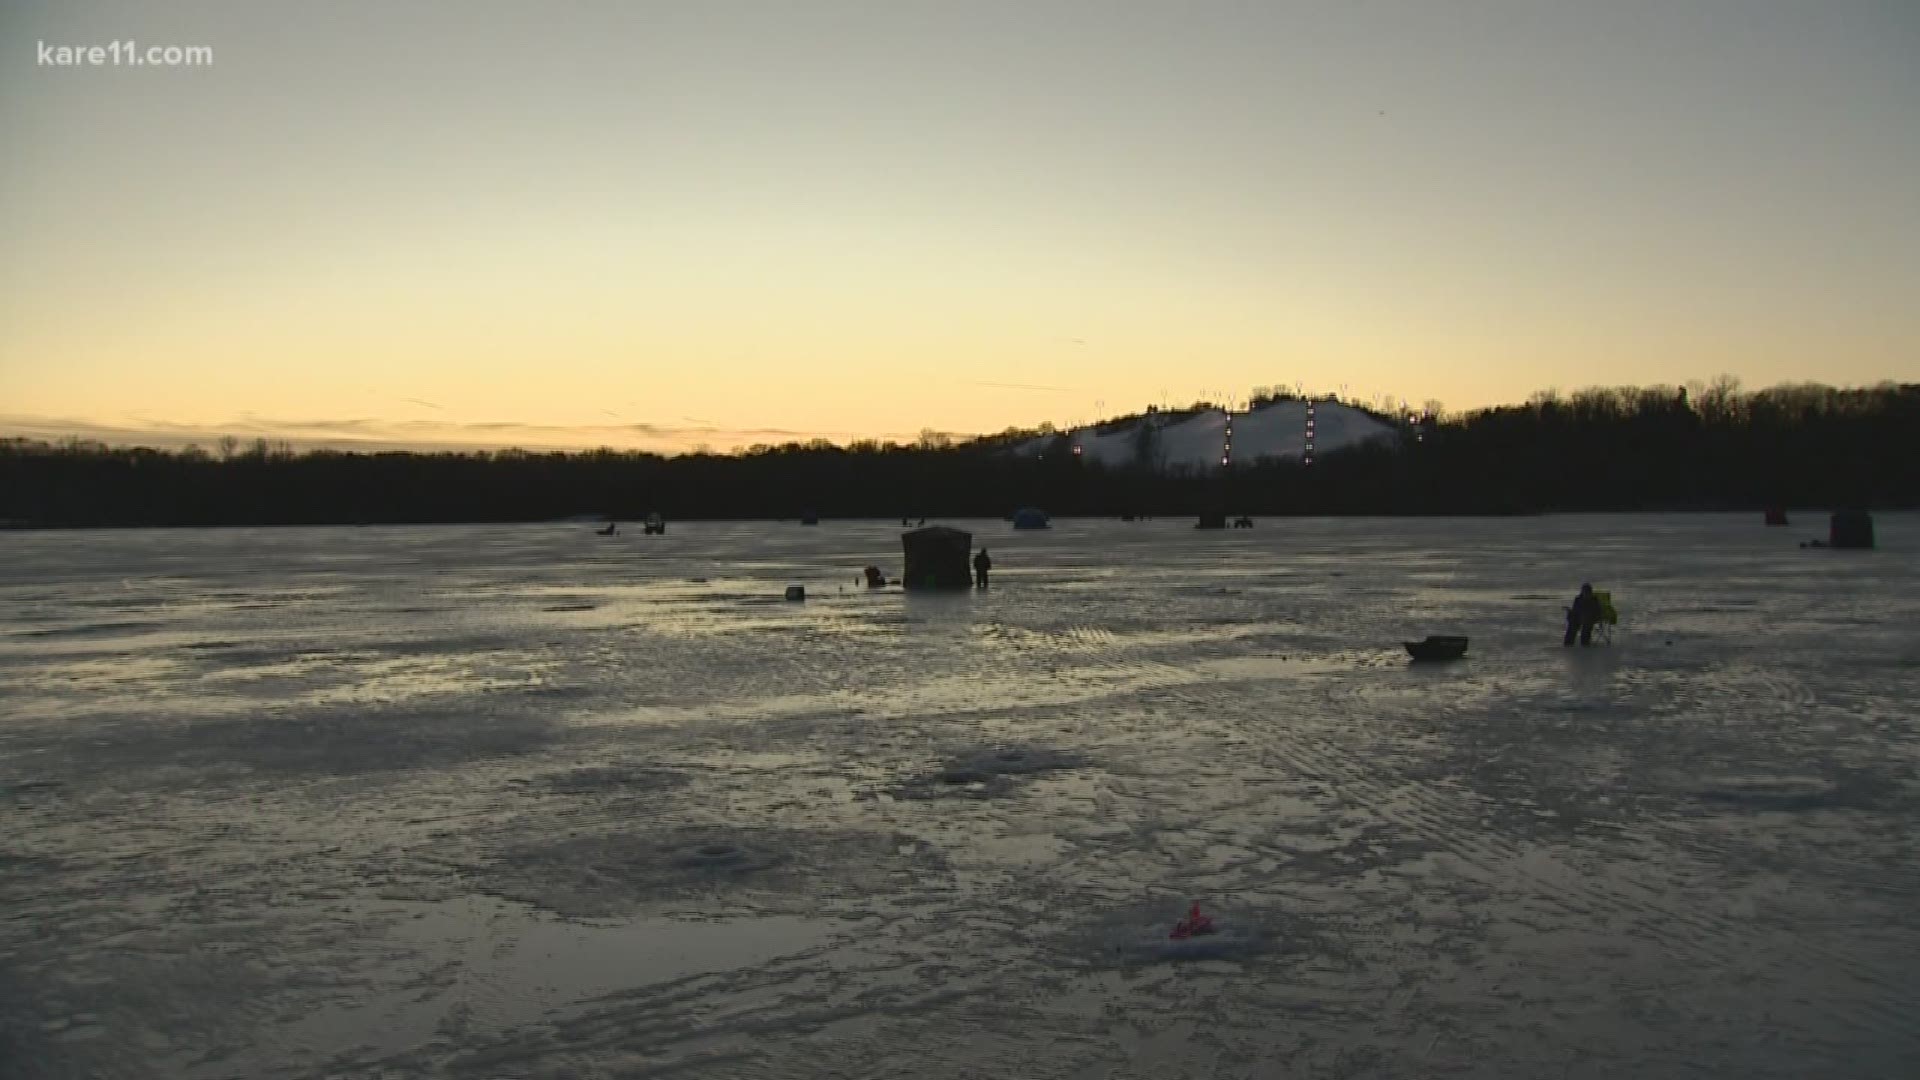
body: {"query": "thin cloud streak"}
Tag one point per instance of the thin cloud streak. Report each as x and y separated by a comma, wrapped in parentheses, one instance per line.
(371, 434)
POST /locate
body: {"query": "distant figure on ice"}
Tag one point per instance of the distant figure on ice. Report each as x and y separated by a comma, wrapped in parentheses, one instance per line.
(1194, 925)
(981, 564)
(1583, 616)
(608, 531)
(875, 579)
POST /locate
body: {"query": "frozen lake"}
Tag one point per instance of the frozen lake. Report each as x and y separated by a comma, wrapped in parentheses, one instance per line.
(518, 801)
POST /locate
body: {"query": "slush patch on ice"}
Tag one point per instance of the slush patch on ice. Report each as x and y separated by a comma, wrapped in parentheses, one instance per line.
(328, 741)
(100, 629)
(18, 787)
(611, 874)
(22, 869)
(955, 784)
(506, 967)
(1282, 666)
(986, 773)
(614, 779)
(1065, 640)
(1778, 792)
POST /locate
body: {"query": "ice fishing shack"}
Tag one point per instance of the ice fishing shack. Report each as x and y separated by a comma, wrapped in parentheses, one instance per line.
(937, 558)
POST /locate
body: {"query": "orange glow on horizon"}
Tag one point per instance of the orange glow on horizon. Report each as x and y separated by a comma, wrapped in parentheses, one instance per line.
(754, 221)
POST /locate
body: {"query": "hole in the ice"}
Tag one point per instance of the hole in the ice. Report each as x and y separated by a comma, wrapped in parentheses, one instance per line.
(610, 779)
(1012, 755)
(962, 776)
(719, 855)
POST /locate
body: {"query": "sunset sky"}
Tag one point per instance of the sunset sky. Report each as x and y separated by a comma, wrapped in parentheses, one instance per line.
(660, 224)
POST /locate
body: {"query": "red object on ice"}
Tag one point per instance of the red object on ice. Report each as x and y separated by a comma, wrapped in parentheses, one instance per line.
(1193, 925)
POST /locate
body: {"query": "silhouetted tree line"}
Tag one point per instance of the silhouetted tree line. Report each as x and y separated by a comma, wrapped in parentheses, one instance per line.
(1601, 449)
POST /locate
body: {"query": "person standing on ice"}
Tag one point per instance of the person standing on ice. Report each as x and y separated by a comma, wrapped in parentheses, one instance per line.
(1582, 616)
(981, 564)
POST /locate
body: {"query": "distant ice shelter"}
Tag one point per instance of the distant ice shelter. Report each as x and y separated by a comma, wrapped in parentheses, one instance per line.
(937, 558)
(1031, 518)
(1850, 529)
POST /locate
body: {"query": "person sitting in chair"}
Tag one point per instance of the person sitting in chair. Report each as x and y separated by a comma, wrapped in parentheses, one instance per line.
(1582, 616)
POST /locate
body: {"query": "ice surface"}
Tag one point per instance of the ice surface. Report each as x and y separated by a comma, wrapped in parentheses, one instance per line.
(493, 801)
